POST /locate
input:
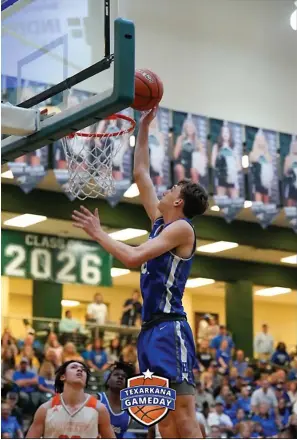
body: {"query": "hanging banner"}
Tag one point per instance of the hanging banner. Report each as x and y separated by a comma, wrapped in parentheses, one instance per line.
(228, 177)
(288, 152)
(122, 162)
(263, 173)
(190, 148)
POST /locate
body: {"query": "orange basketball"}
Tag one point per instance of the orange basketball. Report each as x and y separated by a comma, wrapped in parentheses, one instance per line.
(148, 90)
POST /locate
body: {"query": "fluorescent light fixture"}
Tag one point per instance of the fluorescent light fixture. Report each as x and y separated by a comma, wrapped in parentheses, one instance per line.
(215, 208)
(69, 303)
(132, 141)
(132, 191)
(245, 161)
(115, 272)
(7, 175)
(290, 260)
(127, 234)
(198, 282)
(293, 19)
(218, 246)
(24, 220)
(247, 203)
(273, 291)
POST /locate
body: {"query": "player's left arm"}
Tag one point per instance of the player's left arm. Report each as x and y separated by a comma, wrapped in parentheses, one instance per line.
(176, 234)
(104, 425)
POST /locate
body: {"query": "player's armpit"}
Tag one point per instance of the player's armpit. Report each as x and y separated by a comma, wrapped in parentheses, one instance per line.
(37, 428)
(104, 426)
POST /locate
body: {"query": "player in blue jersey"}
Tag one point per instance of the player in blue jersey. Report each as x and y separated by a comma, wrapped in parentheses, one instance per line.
(116, 382)
(165, 345)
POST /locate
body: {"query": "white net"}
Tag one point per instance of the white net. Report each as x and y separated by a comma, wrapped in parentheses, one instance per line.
(90, 155)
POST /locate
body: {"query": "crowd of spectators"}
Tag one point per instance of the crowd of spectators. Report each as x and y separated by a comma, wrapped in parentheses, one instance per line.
(236, 396)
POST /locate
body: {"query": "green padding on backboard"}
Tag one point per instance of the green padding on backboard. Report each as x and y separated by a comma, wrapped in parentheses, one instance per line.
(90, 111)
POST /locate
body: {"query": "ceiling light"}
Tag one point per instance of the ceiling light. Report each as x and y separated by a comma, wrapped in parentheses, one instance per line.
(198, 282)
(115, 272)
(245, 161)
(127, 234)
(215, 208)
(218, 246)
(132, 191)
(69, 303)
(290, 260)
(247, 203)
(293, 19)
(7, 175)
(132, 141)
(22, 221)
(273, 291)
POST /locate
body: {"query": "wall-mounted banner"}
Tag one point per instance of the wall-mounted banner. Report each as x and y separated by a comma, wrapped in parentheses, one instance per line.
(228, 177)
(57, 259)
(288, 151)
(262, 148)
(190, 147)
(122, 162)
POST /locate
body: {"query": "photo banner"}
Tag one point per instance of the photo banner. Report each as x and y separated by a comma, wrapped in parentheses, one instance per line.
(122, 162)
(288, 152)
(190, 148)
(262, 146)
(226, 163)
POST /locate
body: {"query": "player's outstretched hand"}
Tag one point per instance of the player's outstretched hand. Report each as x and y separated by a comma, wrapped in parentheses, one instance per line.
(87, 221)
(148, 116)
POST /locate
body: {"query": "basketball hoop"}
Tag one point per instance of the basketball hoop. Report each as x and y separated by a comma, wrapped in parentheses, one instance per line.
(90, 156)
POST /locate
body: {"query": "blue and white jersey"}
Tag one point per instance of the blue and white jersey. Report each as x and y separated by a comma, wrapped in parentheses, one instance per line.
(119, 421)
(163, 279)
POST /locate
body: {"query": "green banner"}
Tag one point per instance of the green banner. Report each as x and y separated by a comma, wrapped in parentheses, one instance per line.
(52, 258)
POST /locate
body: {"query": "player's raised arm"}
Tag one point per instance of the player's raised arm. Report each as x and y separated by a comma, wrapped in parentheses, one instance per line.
(37, 428)
(141, 170)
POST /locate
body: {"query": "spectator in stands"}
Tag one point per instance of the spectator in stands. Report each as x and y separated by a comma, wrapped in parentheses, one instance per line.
(114, 351)
(212, 329)
(240, 416)
(26, 382)
(215, 376)
(7, 362)
(280, 356)
(244, 430)
(240, 362)
(51, 356)
(215, 432)
(293, 426)
(284, 412)
(28, 353)
(32, 342)
(215, 343)
(8, 344)
(224, 392)
(248, 376)
(233, 376)
(203, 328)
(223, 357)
(267, 420)
(97, 358)
(70, 353)
(218, 418)
(97, 310)
(68, 325)
(263, 344)
(129, 353)
(292, 393)
(204, 356)
(293, 372)
(12, 400)
(132, 309)
(203, 396)
(230, 407)
(10, 427)
(244, 400)
(264, 395)
(46, 380)
(53, 344)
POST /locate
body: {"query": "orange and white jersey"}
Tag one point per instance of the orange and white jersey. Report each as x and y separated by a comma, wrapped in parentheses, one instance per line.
(83, 423)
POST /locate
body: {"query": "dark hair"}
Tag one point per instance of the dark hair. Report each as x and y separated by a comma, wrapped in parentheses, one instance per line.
(195, 198)
(59, 384)
(67, 311)
(129, 369)
(117, 350)
(221, 140)
(281, 346)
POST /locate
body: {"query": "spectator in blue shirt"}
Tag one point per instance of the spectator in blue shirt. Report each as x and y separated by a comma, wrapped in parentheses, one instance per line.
(244, 400)
(280, 356)
(223, 357)
(239, 417)
(46, 380)
(240, 363)
(97, 358)
(25, 380)
(215, 343)
(293, 372)
(230, 407)
(10, 427)
(266, 420)
(284, 412)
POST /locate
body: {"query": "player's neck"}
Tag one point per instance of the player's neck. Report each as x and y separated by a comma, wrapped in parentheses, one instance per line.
(73, 395)
(170, 217)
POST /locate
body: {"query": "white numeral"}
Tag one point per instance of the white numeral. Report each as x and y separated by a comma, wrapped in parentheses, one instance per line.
(90, 272)
(41, 264)
(64, 274)
(13, 268)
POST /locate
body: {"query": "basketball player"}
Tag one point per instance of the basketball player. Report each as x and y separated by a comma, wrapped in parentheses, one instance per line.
(165, 344)
(71, 413)
(116, 381)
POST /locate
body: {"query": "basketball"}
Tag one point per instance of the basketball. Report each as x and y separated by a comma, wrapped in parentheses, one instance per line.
(148, 90)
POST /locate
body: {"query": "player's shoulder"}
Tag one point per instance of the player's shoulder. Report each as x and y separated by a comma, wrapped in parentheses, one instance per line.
(180, 226)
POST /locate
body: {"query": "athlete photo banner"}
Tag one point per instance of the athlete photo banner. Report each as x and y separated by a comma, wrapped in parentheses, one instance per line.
(226, 163)
(122, 162)
(288, 152)
(262, 146)
(190, 147)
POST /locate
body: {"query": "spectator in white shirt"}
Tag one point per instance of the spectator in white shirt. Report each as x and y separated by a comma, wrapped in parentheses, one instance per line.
(265, 394)
(263, 344)
(215, 432)
(97, 310)
(218, 418)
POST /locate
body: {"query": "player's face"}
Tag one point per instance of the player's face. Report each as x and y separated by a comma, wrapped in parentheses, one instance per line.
(169, 198)
(117, 380)
(76, 374)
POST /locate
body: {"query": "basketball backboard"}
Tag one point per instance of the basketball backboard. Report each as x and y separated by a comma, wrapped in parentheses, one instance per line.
(45, 42)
